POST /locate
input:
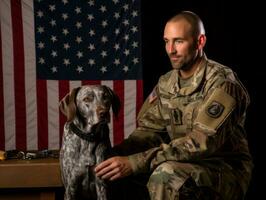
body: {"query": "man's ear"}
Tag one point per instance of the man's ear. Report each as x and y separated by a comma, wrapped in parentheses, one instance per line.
(68, 105)
(201, 41)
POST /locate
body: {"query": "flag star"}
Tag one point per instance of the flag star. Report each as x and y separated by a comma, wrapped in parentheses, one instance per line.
(126, 52)
(78, 25)
(125, 7)
(116, 47)
(91, 62)
(54, 69)
(103, 54)
(104, 39)
(53, 22)
(135, 13)
(90, 17)
(78, 10)
(125, 68)
(125, 22)
(91, 47)
(91, 32)
(116, 1)
(117, 31)
(66, 62)
(78, 39)
(91, 2)
(135, 60)
(65, 2)
(65, 31)
(134, 29)
(52, 8)
(40, 29)
(80, 54)
(41, 60)
(40, 45)
(103, 69)
(103, 9)
(66, 46)
(126, 37)
(79, 69)
(64, 16)
(54, 53)
(53, 38)
(104, 23)
(134, 45)
(39, 14)
(117, 62)
(116, 15)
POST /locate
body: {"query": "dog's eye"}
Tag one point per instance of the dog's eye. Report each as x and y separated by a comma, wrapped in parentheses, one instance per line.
(89, 98)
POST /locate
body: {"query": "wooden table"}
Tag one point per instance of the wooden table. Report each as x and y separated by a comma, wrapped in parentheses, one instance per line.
(37, 179)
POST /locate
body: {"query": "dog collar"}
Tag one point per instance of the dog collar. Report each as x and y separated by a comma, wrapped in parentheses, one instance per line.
(97, 132)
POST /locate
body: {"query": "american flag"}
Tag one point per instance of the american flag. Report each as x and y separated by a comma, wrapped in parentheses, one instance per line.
(49, 47)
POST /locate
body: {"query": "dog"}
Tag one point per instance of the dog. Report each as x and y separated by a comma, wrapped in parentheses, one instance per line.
(86, 140)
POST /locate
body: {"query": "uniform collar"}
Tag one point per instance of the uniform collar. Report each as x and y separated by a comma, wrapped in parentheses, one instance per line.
(197, 79)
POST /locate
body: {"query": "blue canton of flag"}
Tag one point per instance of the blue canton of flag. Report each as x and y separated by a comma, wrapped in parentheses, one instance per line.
(88, 40)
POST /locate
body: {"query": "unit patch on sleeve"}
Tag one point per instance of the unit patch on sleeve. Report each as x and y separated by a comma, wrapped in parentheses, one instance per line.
(215, 109)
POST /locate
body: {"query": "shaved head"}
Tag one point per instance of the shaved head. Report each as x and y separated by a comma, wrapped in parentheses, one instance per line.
(196, 25)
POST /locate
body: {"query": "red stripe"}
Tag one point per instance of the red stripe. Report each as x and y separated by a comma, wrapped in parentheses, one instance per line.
(139, 96)
(42, 114)
(19, 74)
(2, 123)
(63, 90)
(118, 123)
(91, 82)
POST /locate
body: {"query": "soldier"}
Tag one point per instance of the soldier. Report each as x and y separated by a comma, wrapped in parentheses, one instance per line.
(190, 140)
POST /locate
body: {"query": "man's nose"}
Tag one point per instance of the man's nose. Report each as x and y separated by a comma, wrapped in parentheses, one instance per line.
(171, 48)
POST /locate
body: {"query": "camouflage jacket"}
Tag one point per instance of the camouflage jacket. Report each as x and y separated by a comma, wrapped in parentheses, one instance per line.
(204, 123)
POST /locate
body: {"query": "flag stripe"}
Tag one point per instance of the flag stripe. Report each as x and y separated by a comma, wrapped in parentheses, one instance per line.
(18, 48)
(30, 75)
(42, 114)
(53, 122)
(117, 124)
(63, 90)
(8, 75)
(2, 127)
(139, 96)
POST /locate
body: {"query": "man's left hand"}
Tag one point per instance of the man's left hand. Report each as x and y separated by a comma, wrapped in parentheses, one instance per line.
(114, 168)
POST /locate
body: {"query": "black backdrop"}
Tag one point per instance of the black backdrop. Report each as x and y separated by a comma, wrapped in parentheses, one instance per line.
(235, 38)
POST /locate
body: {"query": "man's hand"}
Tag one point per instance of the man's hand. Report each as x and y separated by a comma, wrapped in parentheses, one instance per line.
(114, 168)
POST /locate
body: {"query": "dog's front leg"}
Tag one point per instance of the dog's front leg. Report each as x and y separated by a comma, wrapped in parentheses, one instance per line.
(101, 186)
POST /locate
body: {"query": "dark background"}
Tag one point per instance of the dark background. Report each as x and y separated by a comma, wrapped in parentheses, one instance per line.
(235, 37)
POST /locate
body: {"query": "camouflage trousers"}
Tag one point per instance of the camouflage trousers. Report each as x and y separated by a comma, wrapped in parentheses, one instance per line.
(178, 181)
(184, 181)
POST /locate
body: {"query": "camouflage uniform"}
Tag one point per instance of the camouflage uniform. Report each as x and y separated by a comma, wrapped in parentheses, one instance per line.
(191, 136)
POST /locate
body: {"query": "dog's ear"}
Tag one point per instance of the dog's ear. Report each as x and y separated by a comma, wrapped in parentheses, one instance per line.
(114, 100)
(68, 105)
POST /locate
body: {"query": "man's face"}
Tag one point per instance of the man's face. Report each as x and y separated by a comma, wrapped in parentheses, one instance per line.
(180, 46)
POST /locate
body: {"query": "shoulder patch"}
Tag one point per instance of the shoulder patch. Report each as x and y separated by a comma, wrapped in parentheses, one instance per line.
(215, 110)
(152, 96)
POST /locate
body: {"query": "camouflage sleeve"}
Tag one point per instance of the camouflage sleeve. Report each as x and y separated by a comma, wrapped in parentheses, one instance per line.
(150, 131)
(222, 108)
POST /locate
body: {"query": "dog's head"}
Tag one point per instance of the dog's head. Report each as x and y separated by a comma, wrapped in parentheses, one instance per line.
(90, 104)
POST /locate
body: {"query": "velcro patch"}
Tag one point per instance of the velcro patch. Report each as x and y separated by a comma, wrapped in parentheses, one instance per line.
(215, 110)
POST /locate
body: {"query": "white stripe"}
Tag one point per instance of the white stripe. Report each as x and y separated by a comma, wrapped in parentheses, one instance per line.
(30, 74)
(110, 84)
(53, 114)
(8, 75)
(74, 84)
(130, 107)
